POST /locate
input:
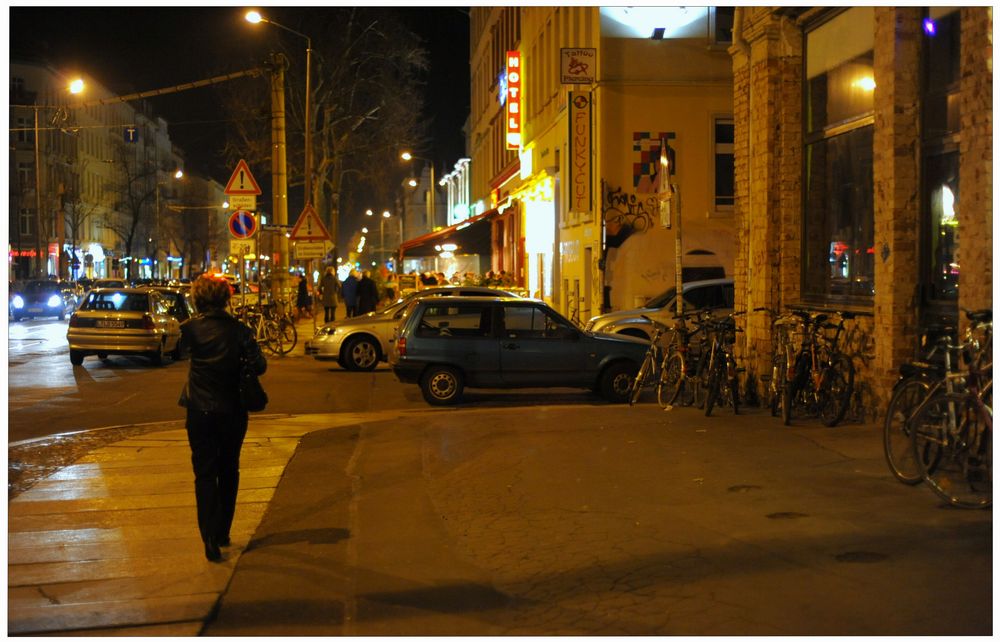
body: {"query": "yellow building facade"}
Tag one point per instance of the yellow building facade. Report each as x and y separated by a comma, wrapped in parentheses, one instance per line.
(605, 94)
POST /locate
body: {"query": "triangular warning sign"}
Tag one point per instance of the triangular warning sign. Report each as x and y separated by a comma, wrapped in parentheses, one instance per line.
(242, 181)
(309, 227)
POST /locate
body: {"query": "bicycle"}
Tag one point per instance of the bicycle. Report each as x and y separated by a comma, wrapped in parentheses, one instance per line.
(823, 378)
(784, 327)
(952, 432)
(680, 374)
(265, 330)
(915, 382)
(721, 375)
(652, 363)
(288, 336)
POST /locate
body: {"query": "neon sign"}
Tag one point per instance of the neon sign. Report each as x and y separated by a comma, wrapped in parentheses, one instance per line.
(513, 100)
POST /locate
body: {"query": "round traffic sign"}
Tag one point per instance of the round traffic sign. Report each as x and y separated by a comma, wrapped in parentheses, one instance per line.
(242, 224)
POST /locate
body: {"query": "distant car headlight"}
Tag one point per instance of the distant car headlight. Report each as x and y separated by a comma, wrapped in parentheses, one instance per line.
(18, 302)
(55, 301)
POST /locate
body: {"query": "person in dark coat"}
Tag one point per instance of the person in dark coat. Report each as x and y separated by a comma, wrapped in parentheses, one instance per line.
(349, 289)
(302, 301)
(367, 293)
(330, 289)
(216, 420)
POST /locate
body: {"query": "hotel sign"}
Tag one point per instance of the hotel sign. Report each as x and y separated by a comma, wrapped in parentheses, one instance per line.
(513, 100)
(580, 144)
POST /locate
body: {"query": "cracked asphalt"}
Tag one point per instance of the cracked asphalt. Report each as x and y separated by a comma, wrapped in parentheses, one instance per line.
(605, 520)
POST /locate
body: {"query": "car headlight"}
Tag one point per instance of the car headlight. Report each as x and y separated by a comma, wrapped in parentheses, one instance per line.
(55, 301)
(18, 302)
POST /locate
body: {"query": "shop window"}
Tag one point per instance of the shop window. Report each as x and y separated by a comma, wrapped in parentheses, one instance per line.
(838, 216)
(939, 185)
(723, 136)
(26, 218)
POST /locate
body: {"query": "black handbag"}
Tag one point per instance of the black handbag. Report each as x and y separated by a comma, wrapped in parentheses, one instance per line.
(253, 398)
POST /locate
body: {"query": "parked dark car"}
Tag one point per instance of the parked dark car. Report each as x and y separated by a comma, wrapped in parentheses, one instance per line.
(42, 298)
(446, 345)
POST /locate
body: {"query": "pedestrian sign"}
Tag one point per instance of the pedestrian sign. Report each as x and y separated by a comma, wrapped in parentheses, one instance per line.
(242, 181)
(309, 227)
(242, 224)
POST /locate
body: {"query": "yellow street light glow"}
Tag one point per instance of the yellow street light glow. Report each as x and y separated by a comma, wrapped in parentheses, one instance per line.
(406, 156)
(449, 247)
(364, 230)
(866, 82)
(179, 174)
(76, 86)
(254, 17)
(225, 205)
(386, 214)
(369, 213)
(412, 182)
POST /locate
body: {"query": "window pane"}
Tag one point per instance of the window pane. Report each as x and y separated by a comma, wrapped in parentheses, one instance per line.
(724, 186)
(839, 216)
(941, 186)
(840, 83)
(942, 44)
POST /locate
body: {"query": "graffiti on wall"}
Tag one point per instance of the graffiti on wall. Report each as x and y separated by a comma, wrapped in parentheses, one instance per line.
(625, 213)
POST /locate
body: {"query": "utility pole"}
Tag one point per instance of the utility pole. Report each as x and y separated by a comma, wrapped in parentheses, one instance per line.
(279, 174)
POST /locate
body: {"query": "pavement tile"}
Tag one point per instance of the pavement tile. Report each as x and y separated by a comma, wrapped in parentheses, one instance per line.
(124, 503)
(62, 617)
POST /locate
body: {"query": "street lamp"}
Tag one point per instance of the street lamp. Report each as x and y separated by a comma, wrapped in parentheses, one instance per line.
(75, 87)
(254, 17)
(177, 176)
(407, 156)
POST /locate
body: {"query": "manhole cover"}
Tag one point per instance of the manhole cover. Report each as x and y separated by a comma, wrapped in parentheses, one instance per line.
(861, 557)
(786, 515)
(743, 488)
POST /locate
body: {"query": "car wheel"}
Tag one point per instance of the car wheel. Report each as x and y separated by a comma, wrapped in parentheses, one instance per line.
(616, 381)
(442, 385)
(177, 354)
(362, 354)
(76, 357)
(157, 355)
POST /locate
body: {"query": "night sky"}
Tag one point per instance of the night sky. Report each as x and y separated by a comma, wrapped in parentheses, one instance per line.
(133, 49)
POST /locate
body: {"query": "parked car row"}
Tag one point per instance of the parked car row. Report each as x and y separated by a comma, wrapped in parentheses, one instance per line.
(450, 338)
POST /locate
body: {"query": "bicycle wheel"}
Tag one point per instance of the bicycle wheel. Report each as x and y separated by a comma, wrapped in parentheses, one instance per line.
(906, 396)
(668, 388)
(953, 447)
(777, 384)
(715, 377)
(640, 378)
(268, 336)
(836, 390)
(289, 335)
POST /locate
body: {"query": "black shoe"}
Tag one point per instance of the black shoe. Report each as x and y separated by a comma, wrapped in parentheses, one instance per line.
(223, 541)
(212, 552)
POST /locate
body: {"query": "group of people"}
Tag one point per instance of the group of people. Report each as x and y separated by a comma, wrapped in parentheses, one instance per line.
(491, 278)
(359, 293)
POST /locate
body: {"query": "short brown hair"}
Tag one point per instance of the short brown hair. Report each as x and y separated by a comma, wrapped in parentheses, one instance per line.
(210, 292)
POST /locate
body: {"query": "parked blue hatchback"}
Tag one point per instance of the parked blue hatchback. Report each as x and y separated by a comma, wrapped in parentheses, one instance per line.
(503, 342)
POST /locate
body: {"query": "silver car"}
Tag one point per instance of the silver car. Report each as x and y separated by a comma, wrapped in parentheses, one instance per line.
(359, 343)
(124, 321)
(716, 294)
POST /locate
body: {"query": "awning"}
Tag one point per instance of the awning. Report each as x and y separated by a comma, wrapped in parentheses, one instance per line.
(472, 236)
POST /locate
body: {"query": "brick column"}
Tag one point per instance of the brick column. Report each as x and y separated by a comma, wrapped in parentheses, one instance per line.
(975, 206)
(897, 195)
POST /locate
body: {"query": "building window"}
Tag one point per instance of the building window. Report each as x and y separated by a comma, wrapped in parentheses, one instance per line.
(26, 218)
(25, 175)
(725, 193)
(721, 25)
(940, 125)
(838, 217)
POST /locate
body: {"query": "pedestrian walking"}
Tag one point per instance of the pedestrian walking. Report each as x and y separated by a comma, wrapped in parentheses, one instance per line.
(303, 302)
(391, 287)
(349, 290)
(216, 420)
(367, 293)
(330, 289)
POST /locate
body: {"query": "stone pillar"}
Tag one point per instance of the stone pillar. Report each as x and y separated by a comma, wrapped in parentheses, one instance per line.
(897, 191)
(975, 205)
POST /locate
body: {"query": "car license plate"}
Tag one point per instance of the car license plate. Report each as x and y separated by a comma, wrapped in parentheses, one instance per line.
(110, 323)
(36, 310)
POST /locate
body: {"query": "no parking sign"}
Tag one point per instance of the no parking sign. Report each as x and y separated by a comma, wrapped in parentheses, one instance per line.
(242, 224)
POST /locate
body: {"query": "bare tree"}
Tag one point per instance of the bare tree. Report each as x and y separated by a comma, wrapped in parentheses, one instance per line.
(365, 103)
(77, 213)
(134, 193)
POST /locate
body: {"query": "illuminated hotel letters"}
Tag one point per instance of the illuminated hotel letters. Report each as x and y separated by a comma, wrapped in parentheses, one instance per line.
(579, 152)
(513, 100)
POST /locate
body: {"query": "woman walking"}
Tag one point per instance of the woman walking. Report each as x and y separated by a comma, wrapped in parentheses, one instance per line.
(216, 420)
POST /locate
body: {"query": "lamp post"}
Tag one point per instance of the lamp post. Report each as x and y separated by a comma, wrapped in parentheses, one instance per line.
(407, 156)
(255, 17)
(75, 87)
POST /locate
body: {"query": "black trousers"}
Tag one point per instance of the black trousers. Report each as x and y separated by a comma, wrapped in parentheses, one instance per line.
(216, 439)
(329, 313)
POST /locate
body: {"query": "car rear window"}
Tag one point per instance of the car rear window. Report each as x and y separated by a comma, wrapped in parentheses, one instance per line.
(117, 302)
(465, 320)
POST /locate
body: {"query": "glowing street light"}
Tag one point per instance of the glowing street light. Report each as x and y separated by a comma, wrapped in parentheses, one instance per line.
(407, 156)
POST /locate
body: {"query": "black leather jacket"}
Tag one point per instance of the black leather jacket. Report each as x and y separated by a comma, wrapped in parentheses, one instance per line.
(213, 340)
